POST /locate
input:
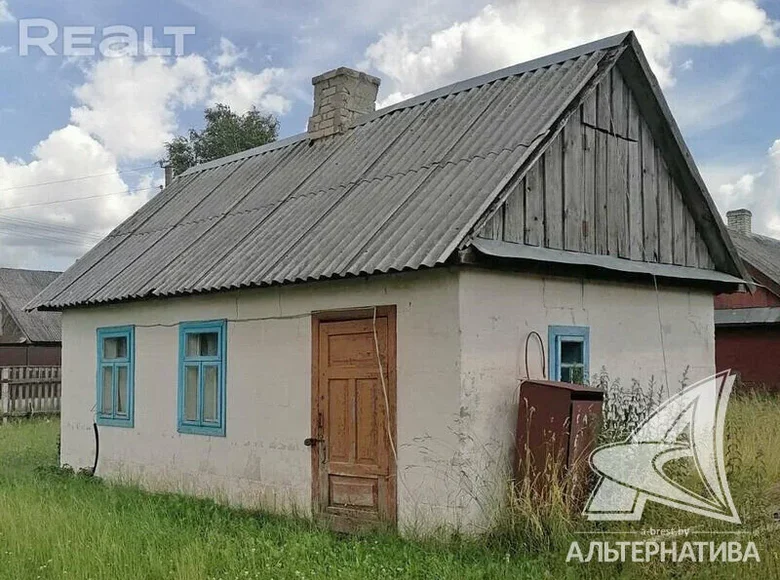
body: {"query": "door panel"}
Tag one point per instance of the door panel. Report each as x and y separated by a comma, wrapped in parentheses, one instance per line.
(350, 345)
(369, 418)
(338, 420)
(355, 492)
(353, 418)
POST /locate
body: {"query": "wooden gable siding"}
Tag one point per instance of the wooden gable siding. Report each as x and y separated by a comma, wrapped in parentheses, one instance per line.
(603, 187)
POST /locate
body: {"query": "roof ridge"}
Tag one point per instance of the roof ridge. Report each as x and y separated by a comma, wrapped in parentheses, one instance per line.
(452, 88)
(761, 237)
(502, 73)
(8, 269)
(280, 144)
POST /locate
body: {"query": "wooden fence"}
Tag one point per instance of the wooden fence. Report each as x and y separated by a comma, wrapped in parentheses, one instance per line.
(26, 391)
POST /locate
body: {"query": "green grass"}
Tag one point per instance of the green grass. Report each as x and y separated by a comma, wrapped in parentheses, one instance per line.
(55, 525)
(60, 526)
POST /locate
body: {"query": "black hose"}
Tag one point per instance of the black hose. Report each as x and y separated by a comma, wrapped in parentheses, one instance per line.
(97, 447)
(541, 345)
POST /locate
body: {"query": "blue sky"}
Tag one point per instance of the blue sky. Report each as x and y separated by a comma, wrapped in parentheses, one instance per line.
(96, 125)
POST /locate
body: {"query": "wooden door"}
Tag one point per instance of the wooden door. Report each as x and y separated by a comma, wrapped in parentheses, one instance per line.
(353, 418)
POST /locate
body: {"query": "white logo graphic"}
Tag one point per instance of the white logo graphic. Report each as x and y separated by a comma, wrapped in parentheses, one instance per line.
(688, 425)
(111, 42)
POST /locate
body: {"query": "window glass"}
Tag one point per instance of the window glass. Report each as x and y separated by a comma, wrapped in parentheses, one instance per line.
(208, 344)
(193, 345)
(571, 351)
(577, 375)
(210, 388)
(106, 386)
(202, 344)
(121, 390)
(114, 348)
(191, 376)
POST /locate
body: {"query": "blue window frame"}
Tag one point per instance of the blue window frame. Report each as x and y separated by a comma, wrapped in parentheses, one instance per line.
(569, 353)
(115, 376)
(202, 355)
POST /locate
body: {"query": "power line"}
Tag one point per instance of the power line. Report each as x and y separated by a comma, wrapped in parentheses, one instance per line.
(47, 238)
(30, 230)
(96, 196)
(34, 230)
(48, 224)
(38, 231)
(81, 178)
(32, 227)
(42, 232)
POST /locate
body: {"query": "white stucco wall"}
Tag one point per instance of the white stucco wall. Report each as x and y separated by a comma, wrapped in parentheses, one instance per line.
(497, 312)
(460, 338)
(262, 461)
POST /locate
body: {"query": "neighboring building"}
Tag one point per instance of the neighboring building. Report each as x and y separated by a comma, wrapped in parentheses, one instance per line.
(233, 323)
(747, 325)
(27, 338)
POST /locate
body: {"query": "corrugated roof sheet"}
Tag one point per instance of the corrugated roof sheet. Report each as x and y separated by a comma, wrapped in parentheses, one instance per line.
(17, 288)
(397, 191)
(761, 252)
(767, 315)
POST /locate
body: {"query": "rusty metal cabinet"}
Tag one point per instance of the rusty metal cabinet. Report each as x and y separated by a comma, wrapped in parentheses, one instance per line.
(557, 427)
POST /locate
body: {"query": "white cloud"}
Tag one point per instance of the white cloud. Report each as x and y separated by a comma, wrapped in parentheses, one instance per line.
(241, 89)
(755, 189)
(392, 99)
(62, 231)
(125, 110)
(512, 31)
(130, 104)
(5, 12)
(229, 54)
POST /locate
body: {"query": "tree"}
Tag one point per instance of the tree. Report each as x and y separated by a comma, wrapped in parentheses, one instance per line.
(226, 133)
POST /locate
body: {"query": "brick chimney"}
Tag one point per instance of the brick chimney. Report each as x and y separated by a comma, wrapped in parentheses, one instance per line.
(740, 220)
(340, 96)
(168, 174)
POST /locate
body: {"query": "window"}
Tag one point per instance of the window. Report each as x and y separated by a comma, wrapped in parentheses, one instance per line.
(202, 347)
(569, 353)
(115, 374)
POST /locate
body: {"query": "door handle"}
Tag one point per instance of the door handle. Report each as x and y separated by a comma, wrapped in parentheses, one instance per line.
(312, 441)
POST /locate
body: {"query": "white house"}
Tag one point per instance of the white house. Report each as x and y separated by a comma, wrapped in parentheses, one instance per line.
(336, 322)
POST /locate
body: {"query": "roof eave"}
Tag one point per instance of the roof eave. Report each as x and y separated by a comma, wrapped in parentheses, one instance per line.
(492, 251)
(760, 316)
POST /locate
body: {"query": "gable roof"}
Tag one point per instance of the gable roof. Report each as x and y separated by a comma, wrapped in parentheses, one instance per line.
(760, 252)
(17, 288)
(402, 189)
